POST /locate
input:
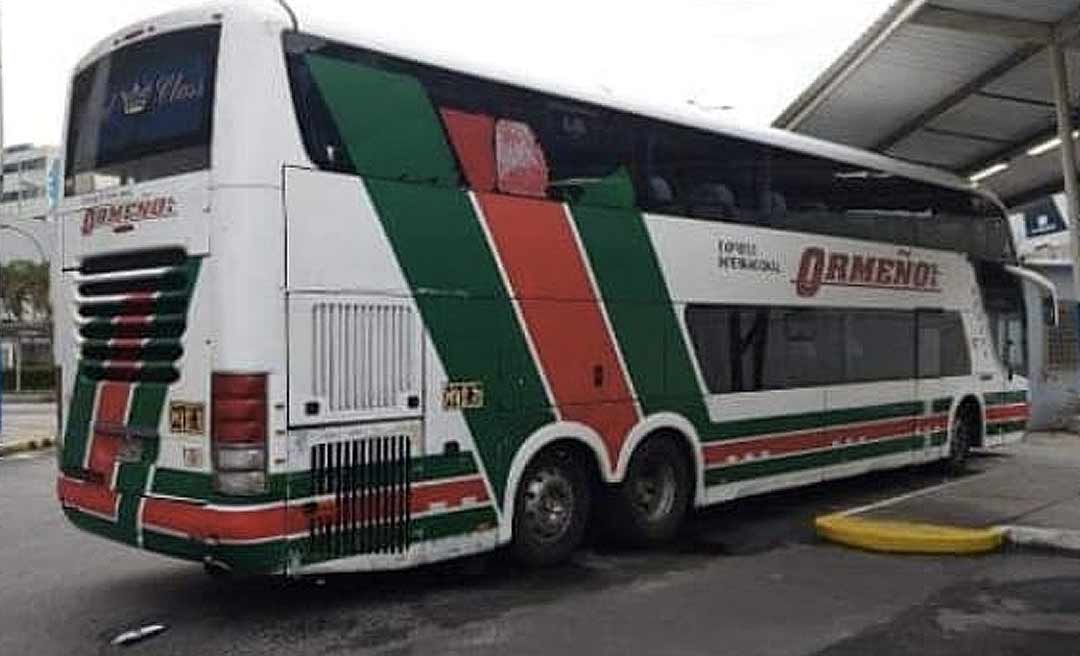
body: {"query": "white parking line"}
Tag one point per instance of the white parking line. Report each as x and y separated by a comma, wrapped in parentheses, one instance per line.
(885, 503)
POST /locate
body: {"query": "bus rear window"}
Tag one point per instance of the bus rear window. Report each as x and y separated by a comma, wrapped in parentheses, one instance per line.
(143, 112)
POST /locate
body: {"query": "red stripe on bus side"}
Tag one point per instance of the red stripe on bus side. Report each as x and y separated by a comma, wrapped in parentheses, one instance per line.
(577, 352)
(86, 496)
(111, 411)
(1007, 412)
(202, 522)
(452, 494)
(719, 454)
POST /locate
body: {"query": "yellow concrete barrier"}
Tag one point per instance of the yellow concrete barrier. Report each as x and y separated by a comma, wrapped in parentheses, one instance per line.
(907, 537)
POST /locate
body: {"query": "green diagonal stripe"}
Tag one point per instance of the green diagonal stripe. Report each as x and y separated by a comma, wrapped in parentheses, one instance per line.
(392, 132)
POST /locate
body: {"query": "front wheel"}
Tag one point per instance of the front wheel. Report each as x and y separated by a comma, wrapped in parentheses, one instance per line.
(962, 436)
(651, 502)
(551, 509)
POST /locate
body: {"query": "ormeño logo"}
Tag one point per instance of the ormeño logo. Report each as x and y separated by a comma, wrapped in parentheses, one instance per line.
(123, 216)
(819, 268)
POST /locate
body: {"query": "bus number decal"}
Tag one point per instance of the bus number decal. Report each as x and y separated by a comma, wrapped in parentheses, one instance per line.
(463, 396)
(187, 418)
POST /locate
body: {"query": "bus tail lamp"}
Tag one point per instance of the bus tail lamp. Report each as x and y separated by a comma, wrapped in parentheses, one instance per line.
(239, 433)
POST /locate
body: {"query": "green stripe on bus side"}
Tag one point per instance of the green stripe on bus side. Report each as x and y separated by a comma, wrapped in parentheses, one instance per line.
(387, 122)
(1006, 427)
(435, 527)
(443, 251)
(1005, 398)
(939, 438)
(259, 558)
(434, 467)
(77, 429)
(941, 405)
(812, 420)
(198, 487)
(271, 556)
(636, 297)
(814, 460)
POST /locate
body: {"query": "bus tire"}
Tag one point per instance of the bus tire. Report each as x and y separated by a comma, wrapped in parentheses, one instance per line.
(551, 508)
(651, 502)
(962, 435)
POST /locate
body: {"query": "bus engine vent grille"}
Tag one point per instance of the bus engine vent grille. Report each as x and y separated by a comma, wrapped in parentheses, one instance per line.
(364, 492)
(364, 356)
(131, 314)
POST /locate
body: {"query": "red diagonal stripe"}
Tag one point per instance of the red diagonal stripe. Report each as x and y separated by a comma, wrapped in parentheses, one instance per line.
(548, 275)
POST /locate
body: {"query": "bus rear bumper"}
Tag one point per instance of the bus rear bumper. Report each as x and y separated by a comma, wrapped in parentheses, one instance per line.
(242, 539)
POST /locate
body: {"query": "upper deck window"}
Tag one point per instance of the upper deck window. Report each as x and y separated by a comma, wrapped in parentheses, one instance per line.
(143, 112)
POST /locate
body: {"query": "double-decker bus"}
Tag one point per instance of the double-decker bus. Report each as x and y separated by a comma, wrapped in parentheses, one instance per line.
(325, 303)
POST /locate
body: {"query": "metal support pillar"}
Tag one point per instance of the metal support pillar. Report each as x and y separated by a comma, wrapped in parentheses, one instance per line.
(1062, 97)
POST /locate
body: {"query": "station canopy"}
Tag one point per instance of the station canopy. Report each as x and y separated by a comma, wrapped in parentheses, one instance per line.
(963, 85)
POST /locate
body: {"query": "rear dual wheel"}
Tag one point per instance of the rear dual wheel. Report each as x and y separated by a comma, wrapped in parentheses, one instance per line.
(553, 501)
(551, 509)
(650, 504)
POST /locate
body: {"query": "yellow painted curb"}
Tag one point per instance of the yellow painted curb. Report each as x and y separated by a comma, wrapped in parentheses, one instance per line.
(25, 446)
(907, 537)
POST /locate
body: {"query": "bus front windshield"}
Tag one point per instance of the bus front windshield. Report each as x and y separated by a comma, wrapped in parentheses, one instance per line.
(143, 112)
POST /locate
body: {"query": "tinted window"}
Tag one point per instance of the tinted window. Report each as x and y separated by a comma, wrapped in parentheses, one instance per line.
(942, 345)
(749, 348)
(879, 345)
(1003, 300)
(144, 111)
(590, 154)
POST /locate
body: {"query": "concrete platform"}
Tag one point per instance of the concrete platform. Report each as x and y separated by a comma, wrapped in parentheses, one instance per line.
(1030, 491)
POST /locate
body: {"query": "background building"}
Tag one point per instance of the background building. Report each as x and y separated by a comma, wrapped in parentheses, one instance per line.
(24, 200)
(30, 180)
(1041, 230)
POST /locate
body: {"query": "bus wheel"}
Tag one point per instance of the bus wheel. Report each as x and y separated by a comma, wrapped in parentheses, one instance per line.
(961, 437)
(651, 502)
(551, 508)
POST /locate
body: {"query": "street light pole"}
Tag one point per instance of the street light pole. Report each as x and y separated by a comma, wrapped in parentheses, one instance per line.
(29, 235)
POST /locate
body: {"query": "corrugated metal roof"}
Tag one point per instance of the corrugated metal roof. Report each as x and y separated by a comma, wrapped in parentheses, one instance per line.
(961, 84)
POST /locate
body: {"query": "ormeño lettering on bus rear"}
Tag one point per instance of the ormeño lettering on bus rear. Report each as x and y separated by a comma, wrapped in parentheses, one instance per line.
(123, 216)
(819, 268)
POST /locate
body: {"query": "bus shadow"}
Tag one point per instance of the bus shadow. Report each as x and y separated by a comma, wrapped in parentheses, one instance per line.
(370, 609)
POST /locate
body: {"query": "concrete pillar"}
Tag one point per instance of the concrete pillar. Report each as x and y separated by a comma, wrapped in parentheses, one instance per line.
(1062, 97)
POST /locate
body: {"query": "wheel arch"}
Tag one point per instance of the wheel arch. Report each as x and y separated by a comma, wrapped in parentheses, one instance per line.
(575, 433)
(673, 425)
(973, 401)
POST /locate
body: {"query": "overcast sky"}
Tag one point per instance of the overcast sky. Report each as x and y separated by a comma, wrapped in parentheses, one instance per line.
(752, 55)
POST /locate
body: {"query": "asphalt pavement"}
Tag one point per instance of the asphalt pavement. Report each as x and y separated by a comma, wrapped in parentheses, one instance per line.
(747, 578)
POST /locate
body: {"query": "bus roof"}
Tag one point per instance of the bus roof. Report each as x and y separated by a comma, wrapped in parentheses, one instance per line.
(345, 22)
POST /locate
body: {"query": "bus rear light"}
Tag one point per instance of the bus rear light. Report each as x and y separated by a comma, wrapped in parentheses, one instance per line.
(242, 459)
(241, 484)
(238, 433)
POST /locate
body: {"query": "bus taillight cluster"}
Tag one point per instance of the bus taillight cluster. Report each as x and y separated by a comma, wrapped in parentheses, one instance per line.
(239, 433)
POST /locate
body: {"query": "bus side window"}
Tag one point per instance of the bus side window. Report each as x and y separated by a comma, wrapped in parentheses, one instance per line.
(701, 175)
